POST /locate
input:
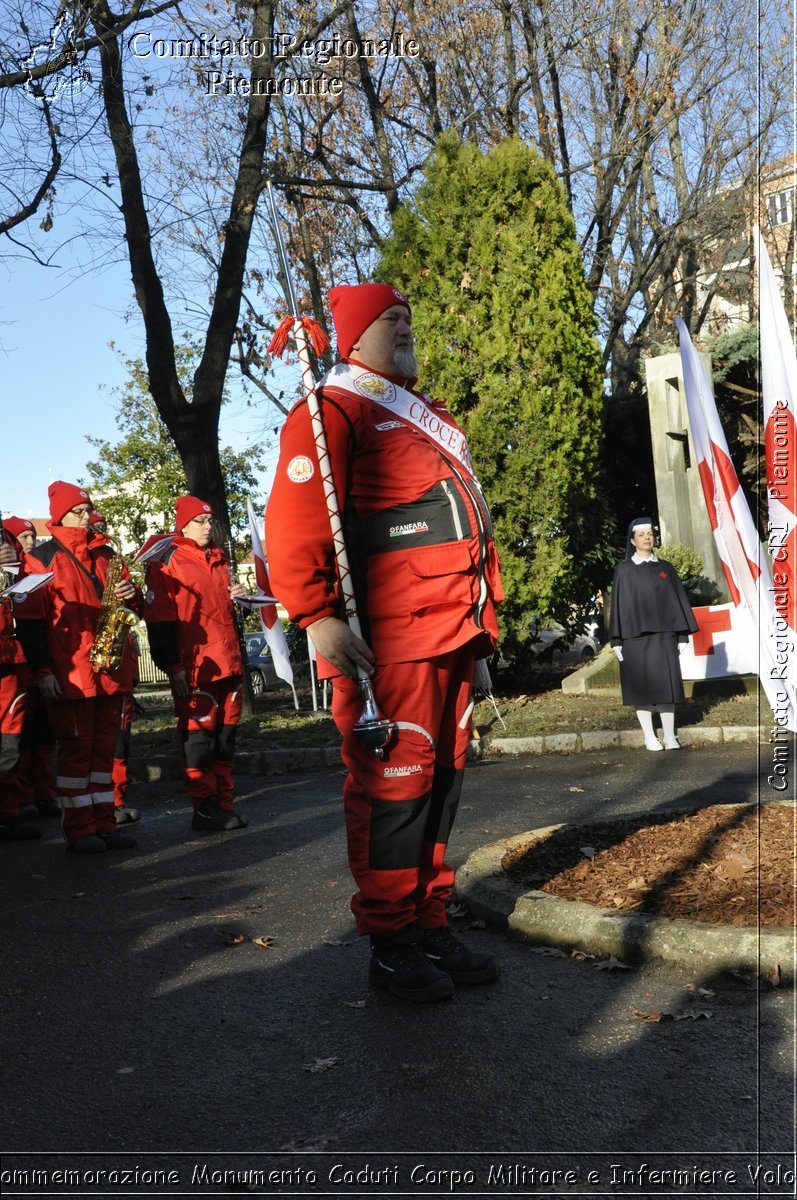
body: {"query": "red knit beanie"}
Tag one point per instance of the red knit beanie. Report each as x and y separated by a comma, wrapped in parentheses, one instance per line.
(356, 307)
(18, 525)
(188, 507)
(64, 497)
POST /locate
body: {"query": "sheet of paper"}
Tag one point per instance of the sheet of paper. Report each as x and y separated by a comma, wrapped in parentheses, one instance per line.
(24, 587)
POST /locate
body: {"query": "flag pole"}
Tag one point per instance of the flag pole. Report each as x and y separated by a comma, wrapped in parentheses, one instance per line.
(372, 729)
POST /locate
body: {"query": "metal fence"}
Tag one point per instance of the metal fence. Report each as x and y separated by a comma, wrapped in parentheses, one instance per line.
(148, 672)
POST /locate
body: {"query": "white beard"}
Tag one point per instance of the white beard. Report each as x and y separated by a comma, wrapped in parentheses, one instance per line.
(405, 363)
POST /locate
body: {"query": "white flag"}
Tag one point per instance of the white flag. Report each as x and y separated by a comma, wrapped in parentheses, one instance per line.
(736, 537)
(779, 388)
(272, 626)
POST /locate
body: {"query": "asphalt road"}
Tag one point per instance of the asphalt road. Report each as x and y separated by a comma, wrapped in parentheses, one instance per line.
(150, 1052)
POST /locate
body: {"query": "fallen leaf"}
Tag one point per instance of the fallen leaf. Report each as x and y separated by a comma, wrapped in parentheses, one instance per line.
(548, 951)
(354, 1003)
(580, 955)
(334, 942)
(265, 942)
(774, 976)
(322, 1064)
(231, 938)
(653, 1018)
(699, 991)
(588, 851)
(575, 789)
(125, 1070)
(692, 1014)
(732, 868)
(611, 964)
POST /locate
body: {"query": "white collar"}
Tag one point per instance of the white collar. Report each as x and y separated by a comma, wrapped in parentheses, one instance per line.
(637, 558)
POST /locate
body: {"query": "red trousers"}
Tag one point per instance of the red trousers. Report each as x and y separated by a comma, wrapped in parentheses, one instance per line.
(86, 732)
(121, 752)
(13, 704)
(400, 809)
(207, 721)
(37, 776)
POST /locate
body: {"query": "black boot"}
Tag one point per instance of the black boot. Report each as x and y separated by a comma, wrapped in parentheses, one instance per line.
(119, 840)
(463, 965)
(399, 965)
(209, 818)
(15, 829)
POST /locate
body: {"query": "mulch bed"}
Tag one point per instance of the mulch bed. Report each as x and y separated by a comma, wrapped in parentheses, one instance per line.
(727, 864)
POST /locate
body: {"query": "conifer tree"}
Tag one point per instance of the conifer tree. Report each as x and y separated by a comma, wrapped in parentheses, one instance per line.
(505, 332)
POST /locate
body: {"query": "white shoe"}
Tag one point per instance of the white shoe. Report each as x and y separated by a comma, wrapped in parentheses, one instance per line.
(655, 744)
(672, 744)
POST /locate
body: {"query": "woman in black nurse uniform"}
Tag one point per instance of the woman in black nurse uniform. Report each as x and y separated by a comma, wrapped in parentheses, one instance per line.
(650, 619)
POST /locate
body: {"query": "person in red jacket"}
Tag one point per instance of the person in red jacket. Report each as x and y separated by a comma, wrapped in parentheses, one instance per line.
(426, 575)
(36, 772)
(193, 638)
(14, 699)
(57, 625)
(124, 813)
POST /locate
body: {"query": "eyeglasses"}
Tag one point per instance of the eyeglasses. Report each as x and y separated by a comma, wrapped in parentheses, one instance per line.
(201, 521)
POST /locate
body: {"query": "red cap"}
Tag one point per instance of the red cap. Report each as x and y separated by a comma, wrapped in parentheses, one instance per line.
(64, 497)
(356, 307)
(188, 507)
(18, 525)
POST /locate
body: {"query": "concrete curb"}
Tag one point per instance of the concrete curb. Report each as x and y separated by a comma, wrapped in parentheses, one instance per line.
(313, 758)
(489, 892)
(601, 739)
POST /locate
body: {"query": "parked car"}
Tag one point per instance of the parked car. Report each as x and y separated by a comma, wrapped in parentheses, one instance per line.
(553, 645)
(260, 665)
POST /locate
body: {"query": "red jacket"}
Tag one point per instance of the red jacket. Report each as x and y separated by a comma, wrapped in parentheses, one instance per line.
(10, 650)
(57, 623)
(417, 531)
(190, 615)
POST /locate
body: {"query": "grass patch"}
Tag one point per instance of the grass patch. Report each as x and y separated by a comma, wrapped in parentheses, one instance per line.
(542, 708)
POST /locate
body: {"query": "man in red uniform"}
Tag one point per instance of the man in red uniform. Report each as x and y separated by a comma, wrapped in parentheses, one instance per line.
(14, 699)
(193, 638)
(57, 625)
(36, 773)
(426, 575)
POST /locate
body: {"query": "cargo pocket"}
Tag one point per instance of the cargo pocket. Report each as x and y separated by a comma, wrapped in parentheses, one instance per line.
(438, 577)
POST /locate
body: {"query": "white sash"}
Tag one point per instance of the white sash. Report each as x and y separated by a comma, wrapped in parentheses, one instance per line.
(403, 403)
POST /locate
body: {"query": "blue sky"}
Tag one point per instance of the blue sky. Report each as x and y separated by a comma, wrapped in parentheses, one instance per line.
(54, 361)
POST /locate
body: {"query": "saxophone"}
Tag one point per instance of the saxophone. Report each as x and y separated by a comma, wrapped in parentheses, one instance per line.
(115, 621)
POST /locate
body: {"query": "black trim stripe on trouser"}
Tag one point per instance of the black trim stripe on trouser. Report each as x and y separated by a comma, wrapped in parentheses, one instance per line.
(399, 810)
(400, 830)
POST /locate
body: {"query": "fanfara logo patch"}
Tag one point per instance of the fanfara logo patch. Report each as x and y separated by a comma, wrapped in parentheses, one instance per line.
(385, 425)
(411, 769)
(410, 527)
(300, 469)
(375, 388)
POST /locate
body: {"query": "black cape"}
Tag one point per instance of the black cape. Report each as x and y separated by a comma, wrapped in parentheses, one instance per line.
(650, 613)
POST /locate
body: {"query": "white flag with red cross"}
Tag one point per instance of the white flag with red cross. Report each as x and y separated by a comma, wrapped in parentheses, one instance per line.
(779, 390)
(735, 535)
(272, 626)
(725, 644)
